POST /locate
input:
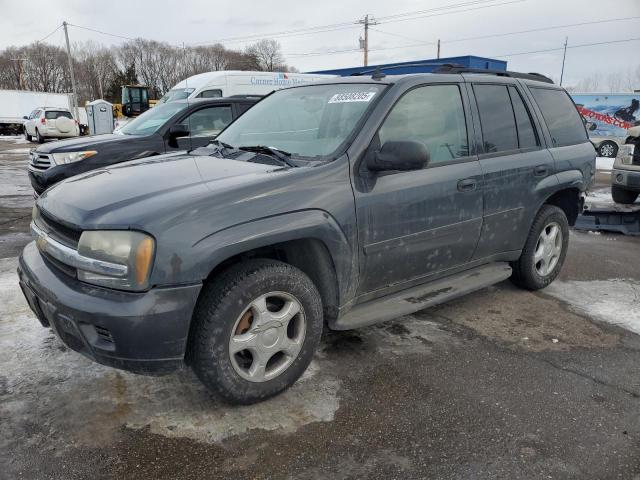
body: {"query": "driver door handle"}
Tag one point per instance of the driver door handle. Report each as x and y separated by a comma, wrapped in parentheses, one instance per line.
(467, 185)
(540, 171)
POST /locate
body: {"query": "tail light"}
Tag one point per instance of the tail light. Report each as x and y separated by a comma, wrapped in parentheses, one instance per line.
(43, 121)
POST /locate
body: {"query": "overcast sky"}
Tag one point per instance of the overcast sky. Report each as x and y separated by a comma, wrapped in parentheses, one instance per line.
(201, 21)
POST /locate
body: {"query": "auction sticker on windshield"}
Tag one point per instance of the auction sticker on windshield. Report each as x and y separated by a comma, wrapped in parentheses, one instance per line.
(352, 97)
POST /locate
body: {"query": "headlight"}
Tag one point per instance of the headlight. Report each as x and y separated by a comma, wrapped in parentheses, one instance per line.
(133, 249)
(70, 157)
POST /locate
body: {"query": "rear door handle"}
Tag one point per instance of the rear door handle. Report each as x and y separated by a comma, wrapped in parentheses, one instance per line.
(467, 185)
(540, 171)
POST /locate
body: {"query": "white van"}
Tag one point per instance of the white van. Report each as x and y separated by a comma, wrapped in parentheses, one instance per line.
(225, 83)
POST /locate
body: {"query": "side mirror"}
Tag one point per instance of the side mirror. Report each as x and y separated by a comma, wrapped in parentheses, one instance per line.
(25, 117)
(399, 155)
(179, 130)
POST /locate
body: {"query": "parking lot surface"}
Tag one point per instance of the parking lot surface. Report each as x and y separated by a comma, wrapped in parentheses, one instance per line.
(503, 383)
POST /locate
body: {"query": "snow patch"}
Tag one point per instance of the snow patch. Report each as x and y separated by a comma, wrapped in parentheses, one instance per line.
(614, 301)
(604, 164)
(17, 150)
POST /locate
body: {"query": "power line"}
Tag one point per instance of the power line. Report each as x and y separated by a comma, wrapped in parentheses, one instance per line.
(421, 43)
(347, 25)
(100, 31)
(47, 36)
(609, 42)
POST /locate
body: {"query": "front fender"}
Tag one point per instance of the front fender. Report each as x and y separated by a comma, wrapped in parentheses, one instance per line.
(212, 250)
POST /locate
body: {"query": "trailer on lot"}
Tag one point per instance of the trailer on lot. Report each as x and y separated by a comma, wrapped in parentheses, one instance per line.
(17, 104)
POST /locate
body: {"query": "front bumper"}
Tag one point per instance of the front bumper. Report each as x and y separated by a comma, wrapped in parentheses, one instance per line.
(141, 332)
(628, 179)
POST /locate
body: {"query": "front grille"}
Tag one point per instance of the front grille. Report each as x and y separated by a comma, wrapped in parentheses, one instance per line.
(63, 267)
(64, 234)
(40, 161)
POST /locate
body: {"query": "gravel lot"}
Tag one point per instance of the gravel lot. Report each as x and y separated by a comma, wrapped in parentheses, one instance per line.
(501, 384)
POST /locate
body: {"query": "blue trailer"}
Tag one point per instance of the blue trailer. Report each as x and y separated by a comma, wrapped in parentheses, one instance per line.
(423, 66)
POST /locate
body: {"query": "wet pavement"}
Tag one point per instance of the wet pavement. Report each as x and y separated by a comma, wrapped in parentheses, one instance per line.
(503, 383)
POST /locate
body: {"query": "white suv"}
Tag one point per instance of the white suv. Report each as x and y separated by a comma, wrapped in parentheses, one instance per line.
(50, 123)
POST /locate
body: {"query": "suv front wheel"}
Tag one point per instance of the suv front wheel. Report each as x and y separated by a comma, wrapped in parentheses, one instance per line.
(544, 251)
(256, 329)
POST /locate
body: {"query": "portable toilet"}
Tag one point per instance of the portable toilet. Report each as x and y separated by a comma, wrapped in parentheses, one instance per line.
(100, 117)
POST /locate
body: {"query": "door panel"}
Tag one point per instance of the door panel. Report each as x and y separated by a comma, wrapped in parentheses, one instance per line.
(417, 223)
(512, 194)
(413, 224)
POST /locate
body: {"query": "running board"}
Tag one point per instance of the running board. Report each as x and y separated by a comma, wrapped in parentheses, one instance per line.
(423, 296)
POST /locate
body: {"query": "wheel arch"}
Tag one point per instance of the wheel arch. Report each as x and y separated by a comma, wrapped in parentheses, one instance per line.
(568, 200)
(311, 241)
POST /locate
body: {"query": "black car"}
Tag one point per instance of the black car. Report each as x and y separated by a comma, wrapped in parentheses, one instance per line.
(180, 125)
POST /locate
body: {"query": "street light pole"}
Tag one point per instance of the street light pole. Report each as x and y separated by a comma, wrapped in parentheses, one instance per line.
(74, 97)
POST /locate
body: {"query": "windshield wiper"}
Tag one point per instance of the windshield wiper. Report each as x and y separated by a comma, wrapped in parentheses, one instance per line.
(276, 153)
(221, 144)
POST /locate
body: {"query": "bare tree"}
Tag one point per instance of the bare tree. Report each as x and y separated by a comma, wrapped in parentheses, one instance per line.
(268, 54)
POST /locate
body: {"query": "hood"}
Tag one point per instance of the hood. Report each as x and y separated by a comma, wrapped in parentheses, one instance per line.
(83, 143)
(128, 193)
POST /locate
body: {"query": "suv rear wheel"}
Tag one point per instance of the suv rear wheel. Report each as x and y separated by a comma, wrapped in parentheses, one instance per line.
(544, 251)
(39, 137)
(256, 329)
(622, 195)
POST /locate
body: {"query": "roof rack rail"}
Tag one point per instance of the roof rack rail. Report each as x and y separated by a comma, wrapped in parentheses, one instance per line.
(391, 67)
(500, 73)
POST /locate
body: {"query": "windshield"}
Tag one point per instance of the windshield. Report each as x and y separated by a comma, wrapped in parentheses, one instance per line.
(151, 120)
(310, 121)
(176, 94)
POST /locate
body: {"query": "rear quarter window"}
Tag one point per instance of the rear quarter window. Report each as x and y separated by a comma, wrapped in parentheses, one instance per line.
(560, 115)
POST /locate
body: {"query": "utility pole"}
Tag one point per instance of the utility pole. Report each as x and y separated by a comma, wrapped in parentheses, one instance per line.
(74, 98)
(366, 21)
(564, 56)
(438, 57)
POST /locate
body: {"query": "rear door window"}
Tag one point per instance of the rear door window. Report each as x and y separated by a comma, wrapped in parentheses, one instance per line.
(53, 114)
(560, 115)
(497, 120)
(527, 137)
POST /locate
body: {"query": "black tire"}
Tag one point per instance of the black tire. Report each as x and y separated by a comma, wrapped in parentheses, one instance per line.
(622, 195)
(39, 137)
(27, 136)
(608, 149)
(525, 273)
(219, 307)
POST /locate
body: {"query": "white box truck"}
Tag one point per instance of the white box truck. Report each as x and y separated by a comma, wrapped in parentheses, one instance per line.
(17, 104)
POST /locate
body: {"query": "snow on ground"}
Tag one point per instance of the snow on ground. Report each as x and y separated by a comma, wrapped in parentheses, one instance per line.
(14, 139)
(18, 150)
(604, 164)
(601, 195)
(614, 301)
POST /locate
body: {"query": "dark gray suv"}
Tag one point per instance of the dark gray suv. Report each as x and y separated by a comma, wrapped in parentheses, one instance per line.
(332, 205)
